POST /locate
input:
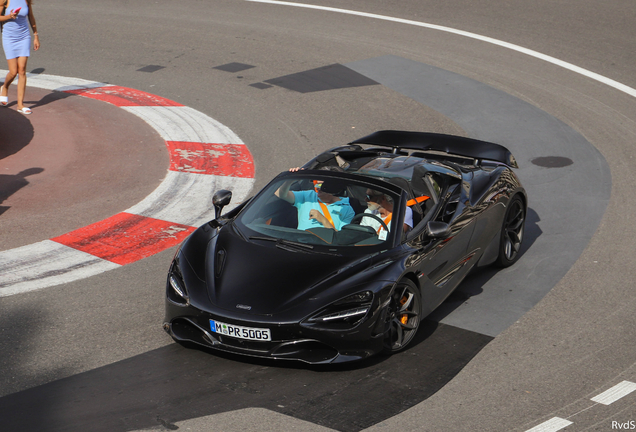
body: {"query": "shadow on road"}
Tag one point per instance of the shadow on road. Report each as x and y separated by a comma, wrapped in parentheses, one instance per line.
(172, 384)
(16, 132)
(10, 184)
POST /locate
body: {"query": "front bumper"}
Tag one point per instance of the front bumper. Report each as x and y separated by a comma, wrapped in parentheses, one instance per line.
(289, 341)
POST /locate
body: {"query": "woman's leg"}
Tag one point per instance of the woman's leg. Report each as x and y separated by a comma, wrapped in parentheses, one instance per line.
(13, 71)
(22, 80)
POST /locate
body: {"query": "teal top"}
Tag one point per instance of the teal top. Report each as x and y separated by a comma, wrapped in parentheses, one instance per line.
(341, 211)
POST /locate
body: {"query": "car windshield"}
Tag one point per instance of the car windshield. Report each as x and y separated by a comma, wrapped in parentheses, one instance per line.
(317, 210)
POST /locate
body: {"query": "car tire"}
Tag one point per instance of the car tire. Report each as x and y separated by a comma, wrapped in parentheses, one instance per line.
(403, 316)
(512, 231)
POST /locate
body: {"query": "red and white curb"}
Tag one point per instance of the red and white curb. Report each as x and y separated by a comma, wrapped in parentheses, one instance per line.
(204, 156)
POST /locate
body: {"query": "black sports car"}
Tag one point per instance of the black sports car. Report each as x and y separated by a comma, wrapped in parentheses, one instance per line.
(342, 259)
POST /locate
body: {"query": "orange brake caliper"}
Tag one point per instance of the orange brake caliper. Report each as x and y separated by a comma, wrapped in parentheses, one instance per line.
(404, 319)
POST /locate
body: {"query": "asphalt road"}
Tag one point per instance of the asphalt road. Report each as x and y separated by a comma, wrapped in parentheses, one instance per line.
(92, 352)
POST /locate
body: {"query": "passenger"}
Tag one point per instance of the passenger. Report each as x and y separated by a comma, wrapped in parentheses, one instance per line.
(323, 206)
(381, 205)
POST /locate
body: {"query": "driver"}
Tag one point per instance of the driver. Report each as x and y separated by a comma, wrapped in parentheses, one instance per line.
(323, 206)
(381, 205)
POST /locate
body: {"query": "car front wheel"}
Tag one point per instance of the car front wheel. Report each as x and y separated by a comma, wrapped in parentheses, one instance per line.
(403, 316)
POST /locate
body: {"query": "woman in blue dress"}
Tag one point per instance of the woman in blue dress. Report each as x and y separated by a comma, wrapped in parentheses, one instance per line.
(16, 41)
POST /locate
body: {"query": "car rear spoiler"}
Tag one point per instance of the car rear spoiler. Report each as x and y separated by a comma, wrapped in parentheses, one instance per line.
(426, 141)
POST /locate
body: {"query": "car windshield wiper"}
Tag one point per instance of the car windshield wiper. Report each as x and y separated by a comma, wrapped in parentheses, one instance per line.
(281, 242)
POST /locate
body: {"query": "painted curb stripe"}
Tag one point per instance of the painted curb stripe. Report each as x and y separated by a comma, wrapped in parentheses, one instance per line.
(184, 124)
(122, 96)
(208, 158)
(126, 238)
(615, 393)
(205, 156)
(58, 83)
(46, 264)
(186, 198)
(553, 425)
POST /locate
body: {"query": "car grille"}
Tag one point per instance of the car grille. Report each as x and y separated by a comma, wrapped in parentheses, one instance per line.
(309, 351)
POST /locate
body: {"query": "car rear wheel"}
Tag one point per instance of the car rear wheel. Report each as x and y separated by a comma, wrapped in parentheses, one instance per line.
(512, 231)
(403, 315)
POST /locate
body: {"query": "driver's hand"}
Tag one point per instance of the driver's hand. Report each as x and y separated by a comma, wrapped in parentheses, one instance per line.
(315, 214)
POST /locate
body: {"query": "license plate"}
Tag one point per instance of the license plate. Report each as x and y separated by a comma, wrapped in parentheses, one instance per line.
(247, 333)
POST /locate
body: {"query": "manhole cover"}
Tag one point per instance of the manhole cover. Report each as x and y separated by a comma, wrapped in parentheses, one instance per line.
(552, 161)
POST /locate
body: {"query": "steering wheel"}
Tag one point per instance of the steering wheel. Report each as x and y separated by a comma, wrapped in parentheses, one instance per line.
(361, 215)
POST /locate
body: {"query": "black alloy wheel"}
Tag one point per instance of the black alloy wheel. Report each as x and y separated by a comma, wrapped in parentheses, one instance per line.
(512, 233)
(403, 315)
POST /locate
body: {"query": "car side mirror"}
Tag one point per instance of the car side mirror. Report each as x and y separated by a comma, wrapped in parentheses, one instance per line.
(438, 230)
(219, 200)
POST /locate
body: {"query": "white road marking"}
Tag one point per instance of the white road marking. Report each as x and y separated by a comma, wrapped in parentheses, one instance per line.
(615, 393)
(579, 70)
(606, 398)
(552, 425)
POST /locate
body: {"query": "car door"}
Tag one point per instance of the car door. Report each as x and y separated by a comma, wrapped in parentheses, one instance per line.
(443, 262)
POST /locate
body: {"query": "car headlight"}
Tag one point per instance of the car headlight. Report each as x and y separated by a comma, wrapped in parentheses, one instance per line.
(177, 291)
(345, 313)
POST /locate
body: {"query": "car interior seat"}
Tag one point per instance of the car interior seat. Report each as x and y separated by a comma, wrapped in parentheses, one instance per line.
(418, 210)
(423, 186)
(357, 199)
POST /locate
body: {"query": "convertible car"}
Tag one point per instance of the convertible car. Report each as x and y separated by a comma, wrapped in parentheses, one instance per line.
(342, 259)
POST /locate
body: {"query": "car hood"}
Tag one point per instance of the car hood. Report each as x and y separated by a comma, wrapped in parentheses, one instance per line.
(261, 278)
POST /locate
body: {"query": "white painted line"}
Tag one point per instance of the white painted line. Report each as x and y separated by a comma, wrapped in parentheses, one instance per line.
(186, 198)
(600, 78)
(45, 264)
(185, 124)
(615, 393)
(552, 425)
